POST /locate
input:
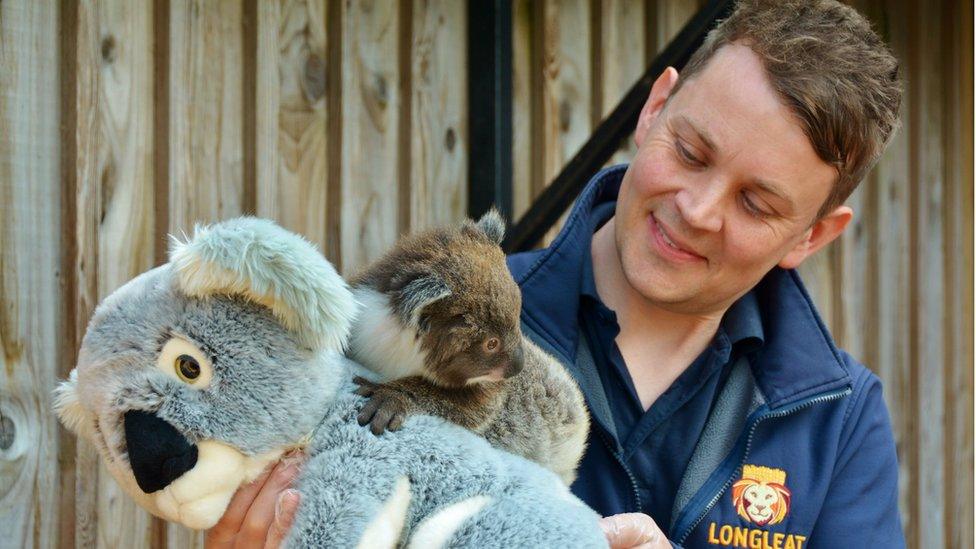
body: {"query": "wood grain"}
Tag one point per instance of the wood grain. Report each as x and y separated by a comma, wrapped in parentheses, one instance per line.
(206, 155)
(370, 104)
(958, 212)
(928, 313)
(566, 87)
(893, 303)
(439, 121)
(621, 54)
(524, 76)
(30, 295)
(115, 214)
(292, 153)
(666, 18)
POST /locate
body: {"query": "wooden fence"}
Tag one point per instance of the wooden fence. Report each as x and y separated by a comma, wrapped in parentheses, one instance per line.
(121, 121)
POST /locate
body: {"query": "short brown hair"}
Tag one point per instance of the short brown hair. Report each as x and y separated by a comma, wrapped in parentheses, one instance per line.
(830, 69)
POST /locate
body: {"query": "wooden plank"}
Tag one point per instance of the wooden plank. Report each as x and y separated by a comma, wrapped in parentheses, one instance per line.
(206, 152)
(856, 274)
(370, 105)
(622, 59)
(30, 296)
(566, 82)
(892, 294)
(70, 504)
(665, 19)
(206, 156)
(438, 143)
(818, 276)
(566, 87)
(292, 154)
(115, 219)
(523, 77)
(958, 207)
(929, 257)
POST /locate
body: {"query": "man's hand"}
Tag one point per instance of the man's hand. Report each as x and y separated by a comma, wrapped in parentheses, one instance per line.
(633, 531)
(260, 513)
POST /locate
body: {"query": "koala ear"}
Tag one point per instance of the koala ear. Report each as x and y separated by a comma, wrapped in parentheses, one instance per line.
(493, 225)
(69, 409)
(417, 294)
(269, 265)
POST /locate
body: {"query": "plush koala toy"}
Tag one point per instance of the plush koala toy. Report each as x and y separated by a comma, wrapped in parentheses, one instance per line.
(196, 375)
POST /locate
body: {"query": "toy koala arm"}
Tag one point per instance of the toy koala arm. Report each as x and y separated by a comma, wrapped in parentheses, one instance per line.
(471, 407)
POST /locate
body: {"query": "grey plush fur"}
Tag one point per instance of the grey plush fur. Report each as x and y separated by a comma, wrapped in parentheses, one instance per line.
(271, 385)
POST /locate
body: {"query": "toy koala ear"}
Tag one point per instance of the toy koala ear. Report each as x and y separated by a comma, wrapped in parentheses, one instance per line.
(492, 224)
(66, 404)
(417, 294)
(278, 269)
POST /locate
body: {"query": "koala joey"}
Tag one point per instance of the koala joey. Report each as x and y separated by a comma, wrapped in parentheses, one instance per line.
(439, 325)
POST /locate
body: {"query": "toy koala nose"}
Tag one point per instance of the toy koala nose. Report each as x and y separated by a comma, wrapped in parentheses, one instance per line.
(158, 453)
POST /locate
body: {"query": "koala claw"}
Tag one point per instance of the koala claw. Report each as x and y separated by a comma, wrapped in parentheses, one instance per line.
(366, 387)
(386, 409)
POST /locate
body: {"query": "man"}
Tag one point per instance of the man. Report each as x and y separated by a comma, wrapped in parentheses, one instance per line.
(722, 412)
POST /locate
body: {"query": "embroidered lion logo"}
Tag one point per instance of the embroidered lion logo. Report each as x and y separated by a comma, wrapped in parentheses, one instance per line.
(761, 496)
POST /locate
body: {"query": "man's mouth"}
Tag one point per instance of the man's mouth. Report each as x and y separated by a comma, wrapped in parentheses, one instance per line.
(668, 244)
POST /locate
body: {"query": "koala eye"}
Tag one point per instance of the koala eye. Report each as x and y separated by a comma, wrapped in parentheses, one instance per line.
(492, 344)
(184, 361)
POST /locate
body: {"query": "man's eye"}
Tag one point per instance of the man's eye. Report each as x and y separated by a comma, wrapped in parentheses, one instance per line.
(752, 208)
(686, 155)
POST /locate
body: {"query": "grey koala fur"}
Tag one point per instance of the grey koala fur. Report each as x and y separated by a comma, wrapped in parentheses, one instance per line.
(271, 377)
(406, 335)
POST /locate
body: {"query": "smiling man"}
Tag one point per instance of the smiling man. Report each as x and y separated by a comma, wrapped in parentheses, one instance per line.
(723, 413)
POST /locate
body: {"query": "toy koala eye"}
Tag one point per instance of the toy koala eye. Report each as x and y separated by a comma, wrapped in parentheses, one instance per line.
(184, 361)
(491, 345)
(187, 368)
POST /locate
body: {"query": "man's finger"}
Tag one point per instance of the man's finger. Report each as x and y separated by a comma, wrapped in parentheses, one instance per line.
(629, 530)
(284, 515)
(254, 530)
(227, 527)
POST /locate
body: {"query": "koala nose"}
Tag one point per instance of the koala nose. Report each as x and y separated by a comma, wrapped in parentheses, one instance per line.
(158, 453)
(516, 363)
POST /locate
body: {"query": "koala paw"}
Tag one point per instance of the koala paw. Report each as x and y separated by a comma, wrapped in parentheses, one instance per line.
(386, 409)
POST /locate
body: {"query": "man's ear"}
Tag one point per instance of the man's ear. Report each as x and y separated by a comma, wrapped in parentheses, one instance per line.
(660, 92)
(823, 232)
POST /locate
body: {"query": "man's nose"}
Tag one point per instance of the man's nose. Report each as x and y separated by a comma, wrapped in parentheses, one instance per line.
(158, 453)
(700, 206)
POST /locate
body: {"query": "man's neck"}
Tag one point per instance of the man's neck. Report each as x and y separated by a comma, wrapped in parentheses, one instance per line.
(657, 344)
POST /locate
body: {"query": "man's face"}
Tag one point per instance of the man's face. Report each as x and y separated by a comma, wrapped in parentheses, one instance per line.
(724, 186)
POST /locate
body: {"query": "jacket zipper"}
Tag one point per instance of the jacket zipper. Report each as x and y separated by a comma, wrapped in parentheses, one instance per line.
(620, 460)
(745, 454)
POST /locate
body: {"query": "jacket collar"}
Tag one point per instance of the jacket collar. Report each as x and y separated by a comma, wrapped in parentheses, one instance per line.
(797, 357)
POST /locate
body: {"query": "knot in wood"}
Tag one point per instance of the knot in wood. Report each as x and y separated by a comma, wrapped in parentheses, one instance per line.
(380, 90)
(450, 139)
(7, 432)
(108, 49)
(314, 78)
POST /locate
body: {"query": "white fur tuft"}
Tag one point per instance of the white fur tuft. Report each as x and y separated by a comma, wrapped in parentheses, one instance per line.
(69, 409)
(384, 530)
(278, 269)
(380, 342)
(437, 529)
